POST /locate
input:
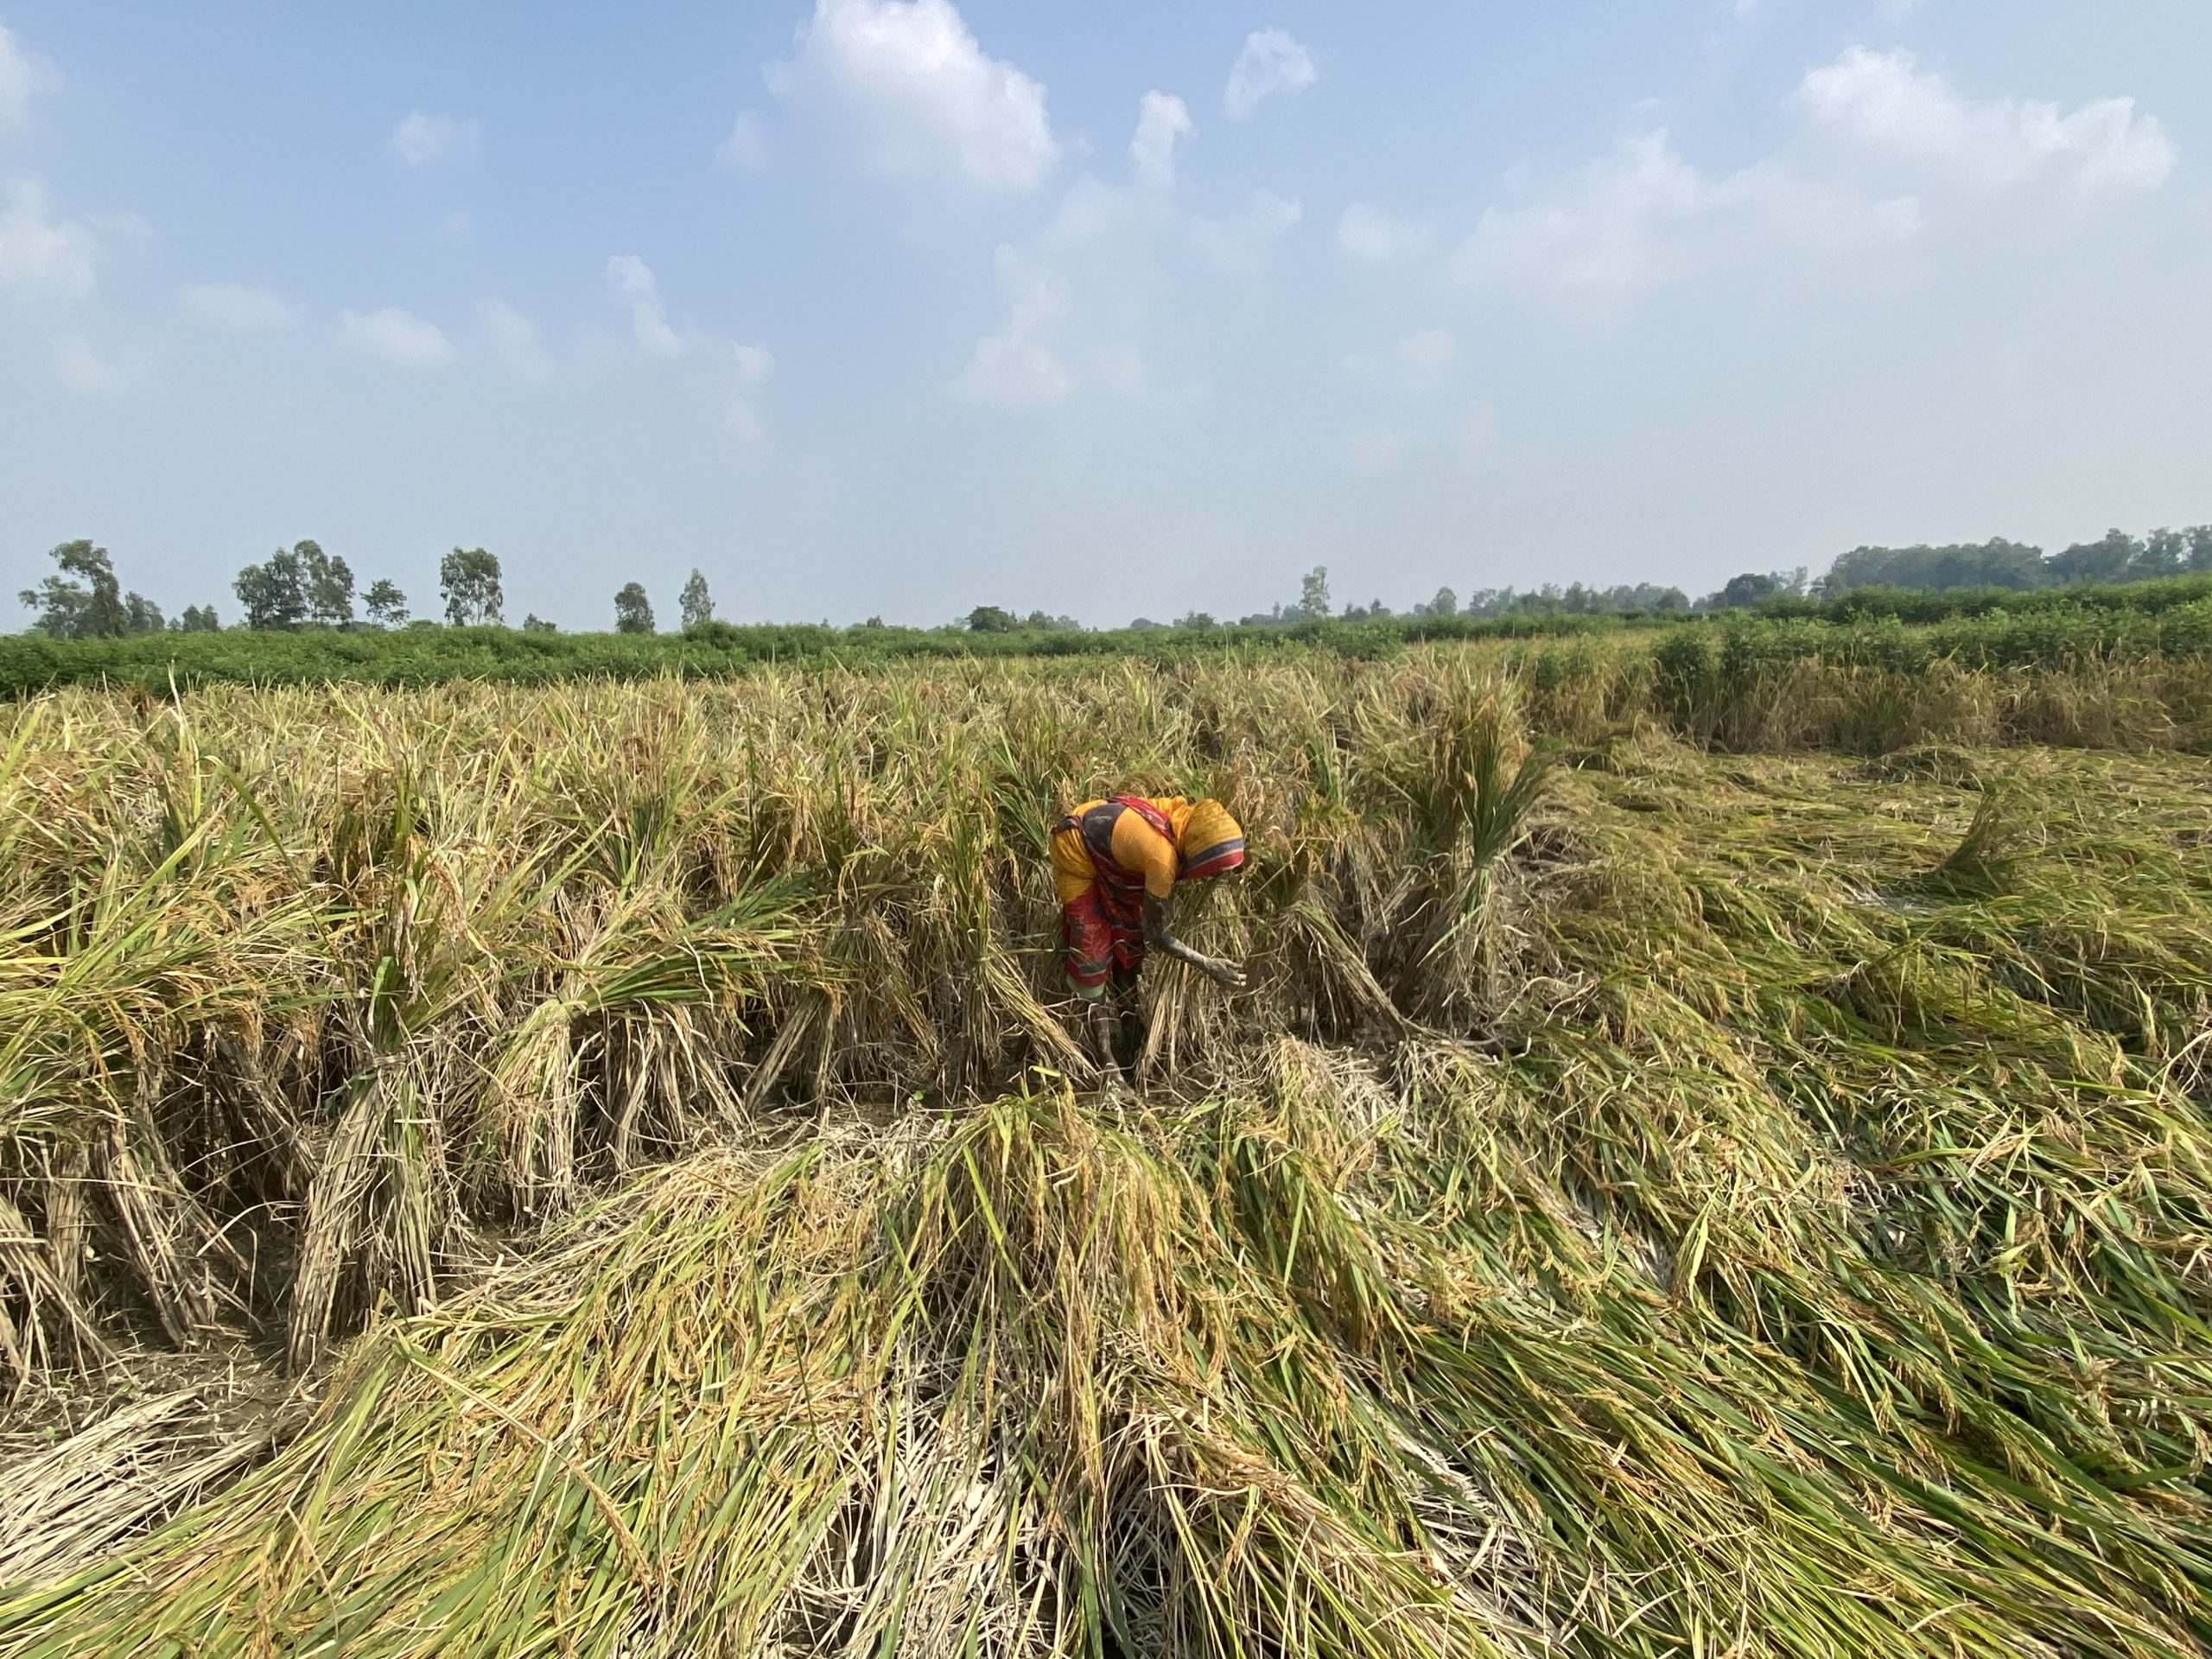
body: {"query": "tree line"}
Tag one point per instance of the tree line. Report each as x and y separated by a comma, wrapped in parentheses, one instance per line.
(2117, 556)
(304, 586)
(296, 586)
(1313, 605)
(2015, 567)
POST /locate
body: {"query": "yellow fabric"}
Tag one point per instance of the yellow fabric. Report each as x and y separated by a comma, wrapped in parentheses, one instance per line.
(1071, 872)
(1205, 826)
(1137, 848)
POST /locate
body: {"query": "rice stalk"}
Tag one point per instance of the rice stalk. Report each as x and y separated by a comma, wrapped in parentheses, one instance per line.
(1636, 1208)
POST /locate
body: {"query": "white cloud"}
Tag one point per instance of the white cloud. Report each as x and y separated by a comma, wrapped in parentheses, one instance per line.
(23, 73)
(926, 94)
(1078, 295)
(1241, 243)
(37, 248)
(422, 137)
(1419, 362)
(240, 308)
(1641, 217)
(746, 150)
(1369, 233)
(1428, 355)
(82, 369)
(1379, 451)
(1887, 103)
(1271, 62)
(395, 337)
(631, 283)
(1091, 211)
(756, 365)
(1162, 119)
(1013, 368)
(514, 340)
(1882, 146)
(124, 227)
(743, 368)
(1470, 439)
(1122, 371)
(1479, 439)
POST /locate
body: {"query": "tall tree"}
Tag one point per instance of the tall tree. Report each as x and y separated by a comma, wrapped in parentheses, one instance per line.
(634, 612)
(1994, 563)
(274, 592)
(2163, 554)
(1314, 592)
(386, 605)
(84, 601)
(329, 582)
(469, 582)
(1745, 590)
(2104, 561)
(196, 619)
(697, 604)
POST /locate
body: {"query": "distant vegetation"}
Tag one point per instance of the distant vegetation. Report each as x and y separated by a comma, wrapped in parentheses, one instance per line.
(83, 601)
(2001, 602)
(1893, 628)
(2118, 557)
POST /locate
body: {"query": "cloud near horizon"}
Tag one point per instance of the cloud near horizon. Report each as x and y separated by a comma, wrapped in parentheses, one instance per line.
(1419, 362)
(1014, 368)
(741, 368)
(515, 343)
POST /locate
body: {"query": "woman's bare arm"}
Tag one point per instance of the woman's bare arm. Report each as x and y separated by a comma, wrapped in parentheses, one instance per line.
(1157, 935)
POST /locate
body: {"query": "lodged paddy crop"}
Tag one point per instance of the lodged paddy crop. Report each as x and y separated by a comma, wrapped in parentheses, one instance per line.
(1713, 1159)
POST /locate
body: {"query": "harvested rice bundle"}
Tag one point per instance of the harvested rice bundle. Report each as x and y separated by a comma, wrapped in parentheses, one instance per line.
(1042, 1380)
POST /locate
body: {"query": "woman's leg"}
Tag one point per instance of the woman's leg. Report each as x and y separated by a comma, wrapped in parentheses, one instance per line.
(1088, 958)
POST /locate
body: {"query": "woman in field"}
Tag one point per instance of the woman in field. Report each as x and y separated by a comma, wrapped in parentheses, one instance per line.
(1115, 863)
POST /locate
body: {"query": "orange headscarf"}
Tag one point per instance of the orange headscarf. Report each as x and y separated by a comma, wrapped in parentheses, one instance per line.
(1210, 840)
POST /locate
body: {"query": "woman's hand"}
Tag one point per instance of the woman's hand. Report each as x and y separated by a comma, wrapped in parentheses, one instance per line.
(1228, 975)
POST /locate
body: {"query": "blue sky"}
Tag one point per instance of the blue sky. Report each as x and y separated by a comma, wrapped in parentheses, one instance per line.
(880, 307)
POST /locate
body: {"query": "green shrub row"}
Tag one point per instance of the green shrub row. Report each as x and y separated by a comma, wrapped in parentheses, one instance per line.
(1972, 630)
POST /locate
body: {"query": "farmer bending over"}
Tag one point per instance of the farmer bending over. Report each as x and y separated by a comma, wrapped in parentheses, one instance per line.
(1115, 863)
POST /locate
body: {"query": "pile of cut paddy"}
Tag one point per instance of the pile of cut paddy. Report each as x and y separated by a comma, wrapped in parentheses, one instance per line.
(1743, 1205)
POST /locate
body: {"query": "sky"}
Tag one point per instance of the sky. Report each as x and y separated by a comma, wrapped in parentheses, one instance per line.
(898, 307)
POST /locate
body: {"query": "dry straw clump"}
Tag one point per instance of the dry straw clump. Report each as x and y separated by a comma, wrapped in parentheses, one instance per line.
(1649, 1201)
